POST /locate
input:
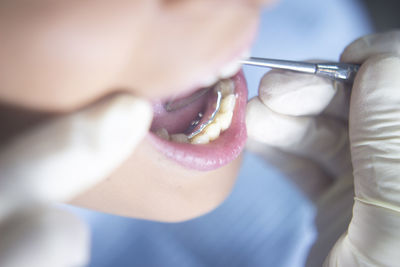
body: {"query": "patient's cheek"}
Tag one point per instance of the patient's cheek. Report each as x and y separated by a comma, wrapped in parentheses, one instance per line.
(149, 186)
(67, 54)
(71, 52)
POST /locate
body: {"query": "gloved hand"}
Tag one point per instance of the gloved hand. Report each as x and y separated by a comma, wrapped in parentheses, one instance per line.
(54, 162)
(306, 116)
(299, 124)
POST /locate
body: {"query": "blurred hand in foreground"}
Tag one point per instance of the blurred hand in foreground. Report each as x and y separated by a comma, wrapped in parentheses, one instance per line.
(54, 162)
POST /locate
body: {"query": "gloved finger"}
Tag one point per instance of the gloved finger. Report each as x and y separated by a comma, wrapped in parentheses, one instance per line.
(373, 44)
(340, 104)
(305, 173)
(44, 237)
(334, 212)
(68, 155)
(373, 235)
(299, 94)
(375, 129)
(323, 140)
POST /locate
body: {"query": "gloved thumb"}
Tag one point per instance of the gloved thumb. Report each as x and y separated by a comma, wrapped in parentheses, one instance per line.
(68, 155)
(373, 235)
(370, 45)
(375, 130)
(295, 94)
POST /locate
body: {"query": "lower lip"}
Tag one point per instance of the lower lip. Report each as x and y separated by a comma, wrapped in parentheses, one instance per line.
(219, 152)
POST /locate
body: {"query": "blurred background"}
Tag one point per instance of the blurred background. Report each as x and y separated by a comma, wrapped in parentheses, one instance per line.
(384, 14)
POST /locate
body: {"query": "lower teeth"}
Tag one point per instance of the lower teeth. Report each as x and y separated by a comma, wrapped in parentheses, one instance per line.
(221, 122)
(179, 138)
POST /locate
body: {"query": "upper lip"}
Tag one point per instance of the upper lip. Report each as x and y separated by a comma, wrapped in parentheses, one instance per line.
(227, 70)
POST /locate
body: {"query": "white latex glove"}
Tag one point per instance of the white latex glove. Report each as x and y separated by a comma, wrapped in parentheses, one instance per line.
(373, 237)
(54, 162)
(295, 114)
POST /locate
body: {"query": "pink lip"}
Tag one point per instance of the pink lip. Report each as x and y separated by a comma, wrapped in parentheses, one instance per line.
(219, 152)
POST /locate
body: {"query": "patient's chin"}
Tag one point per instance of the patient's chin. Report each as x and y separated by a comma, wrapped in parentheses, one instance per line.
(149, 186)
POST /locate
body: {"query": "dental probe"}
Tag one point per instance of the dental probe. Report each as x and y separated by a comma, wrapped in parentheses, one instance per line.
(343, 72)
(199, 128)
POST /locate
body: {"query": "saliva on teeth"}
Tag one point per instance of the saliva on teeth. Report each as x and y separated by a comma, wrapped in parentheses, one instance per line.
(222, 120)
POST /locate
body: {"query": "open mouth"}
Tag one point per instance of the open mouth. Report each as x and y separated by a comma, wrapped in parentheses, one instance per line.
(223, 136)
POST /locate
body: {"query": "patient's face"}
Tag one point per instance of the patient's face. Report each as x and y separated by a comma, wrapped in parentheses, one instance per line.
(71, 53)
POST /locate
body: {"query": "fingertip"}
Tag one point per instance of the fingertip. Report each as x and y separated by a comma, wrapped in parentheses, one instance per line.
(370, 45)
(256, 120)
(295, 94)
(357, 51)
(271, 128)
(81, 149)
(252, 117)
(123, 117)
(375, 98)
(138, 111)
(379, 75)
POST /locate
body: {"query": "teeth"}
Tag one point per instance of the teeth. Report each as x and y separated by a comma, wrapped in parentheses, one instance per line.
(228, 103)
(163, 133)
(226, 86)
(200, 139)
(213, 130)
(221, 122)
(179, 138)
(224, 120)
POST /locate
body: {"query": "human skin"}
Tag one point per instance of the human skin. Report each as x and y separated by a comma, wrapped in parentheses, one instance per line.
(58, 56)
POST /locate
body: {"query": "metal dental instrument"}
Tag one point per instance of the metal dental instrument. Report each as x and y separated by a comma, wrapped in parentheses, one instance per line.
(197, 126)
(343, 72)
(200, 126)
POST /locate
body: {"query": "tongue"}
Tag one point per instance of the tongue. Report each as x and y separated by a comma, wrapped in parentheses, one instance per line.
(179, 120)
